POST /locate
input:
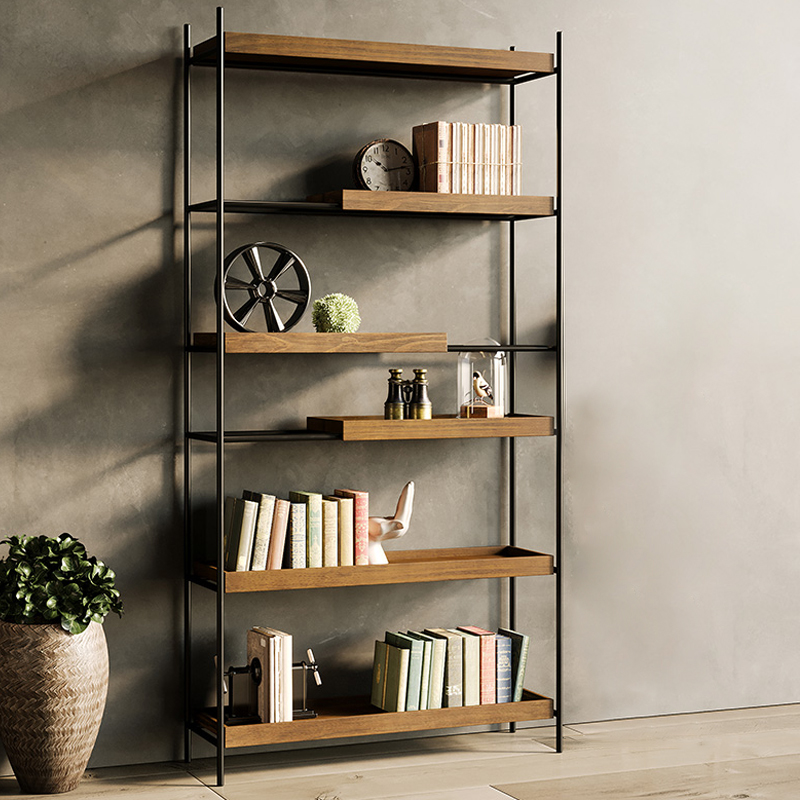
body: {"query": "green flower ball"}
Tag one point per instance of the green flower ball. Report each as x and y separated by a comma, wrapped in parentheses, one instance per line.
(336, 313)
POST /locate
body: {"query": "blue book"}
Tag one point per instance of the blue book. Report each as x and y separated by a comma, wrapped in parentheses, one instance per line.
(504, 686)
(414, 646)
(519, 660)
(427, 659)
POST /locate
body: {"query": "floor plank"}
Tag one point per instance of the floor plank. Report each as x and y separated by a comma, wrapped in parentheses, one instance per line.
(760, 779)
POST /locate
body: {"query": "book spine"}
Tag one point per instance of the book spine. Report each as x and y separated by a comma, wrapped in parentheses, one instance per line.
(244, 554)
(516, 160)
(444, 156)
(455, 171)
(314, 530)
(469, 172)
(297, 536)
(437, 673)
(361, 529)
(266, 509)
(379, 668)
(488, 670)
(480, 156)
(471, 668)
(330, 533)
(396, 678)
(519, 661)
(280, 523)
(414, 681)
(504, 689)
(346, 533)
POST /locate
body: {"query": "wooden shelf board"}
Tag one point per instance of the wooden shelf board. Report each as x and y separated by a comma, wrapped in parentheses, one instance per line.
(480, 205)
(354, 716)
(359, 202)
(361, 429)
(405, 566)
(344, 55)
(291, 342)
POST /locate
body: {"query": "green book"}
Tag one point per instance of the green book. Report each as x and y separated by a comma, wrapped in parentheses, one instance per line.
(453, 667)
(427, 657)
(471, 671)
(414, 646)
(390, 677)
(520, 643)
(313, 501)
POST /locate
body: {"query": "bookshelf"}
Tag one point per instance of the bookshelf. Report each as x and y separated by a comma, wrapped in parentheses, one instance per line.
(353, 716)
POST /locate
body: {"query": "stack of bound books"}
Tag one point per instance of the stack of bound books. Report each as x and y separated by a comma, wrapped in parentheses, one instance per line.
(273, 650)
(309, 529)
(447, 667)
(468, 158)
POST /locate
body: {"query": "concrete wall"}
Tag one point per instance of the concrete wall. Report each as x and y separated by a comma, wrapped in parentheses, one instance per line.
(681, 566)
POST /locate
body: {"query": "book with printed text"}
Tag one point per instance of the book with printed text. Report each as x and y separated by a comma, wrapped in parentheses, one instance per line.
(360, 524)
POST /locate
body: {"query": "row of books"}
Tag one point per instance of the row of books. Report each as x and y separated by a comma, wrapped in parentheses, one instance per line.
(309, 529)
(468, 158)
(447, 667)
(273, 650)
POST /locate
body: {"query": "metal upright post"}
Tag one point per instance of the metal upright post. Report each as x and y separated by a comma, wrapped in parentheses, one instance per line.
(187, 395)
(220, 364)
(560, 392)
(512, 390)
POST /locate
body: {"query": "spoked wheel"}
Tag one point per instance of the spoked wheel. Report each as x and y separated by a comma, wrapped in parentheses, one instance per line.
(258, 298)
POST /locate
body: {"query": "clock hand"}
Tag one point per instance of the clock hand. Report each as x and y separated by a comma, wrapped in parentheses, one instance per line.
(381, 165)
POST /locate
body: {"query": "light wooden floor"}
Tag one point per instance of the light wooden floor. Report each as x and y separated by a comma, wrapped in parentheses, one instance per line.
(750, 753)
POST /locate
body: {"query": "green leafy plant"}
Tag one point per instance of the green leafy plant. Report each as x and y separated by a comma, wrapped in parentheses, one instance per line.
(336, 313)
(54, 580)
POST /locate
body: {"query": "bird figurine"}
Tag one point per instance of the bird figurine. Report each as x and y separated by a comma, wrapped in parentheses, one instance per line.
(383, 528)
(482, 389)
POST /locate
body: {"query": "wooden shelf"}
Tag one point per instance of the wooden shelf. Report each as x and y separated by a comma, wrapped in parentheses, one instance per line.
(310, 54)
(486, 206)
(354, 716)
(362, 429)
(360, 202)
(325, 342)
(405, 566)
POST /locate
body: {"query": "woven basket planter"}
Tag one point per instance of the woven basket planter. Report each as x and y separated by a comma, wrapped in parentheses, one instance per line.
(52, 694)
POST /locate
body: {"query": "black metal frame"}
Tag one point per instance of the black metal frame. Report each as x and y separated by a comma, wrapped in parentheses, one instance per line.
(220, 436)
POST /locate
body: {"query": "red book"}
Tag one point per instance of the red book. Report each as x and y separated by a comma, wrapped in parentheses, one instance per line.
(488, 662)
(360, 524)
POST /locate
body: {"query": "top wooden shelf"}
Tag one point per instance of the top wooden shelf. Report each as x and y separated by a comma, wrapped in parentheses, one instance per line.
(307, 54)
(292, 342)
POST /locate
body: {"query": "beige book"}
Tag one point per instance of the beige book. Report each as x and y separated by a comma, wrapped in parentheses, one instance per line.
(346, 530)
(330, 533)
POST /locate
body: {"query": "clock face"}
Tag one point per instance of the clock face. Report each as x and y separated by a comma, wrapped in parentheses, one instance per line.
(385, 165)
